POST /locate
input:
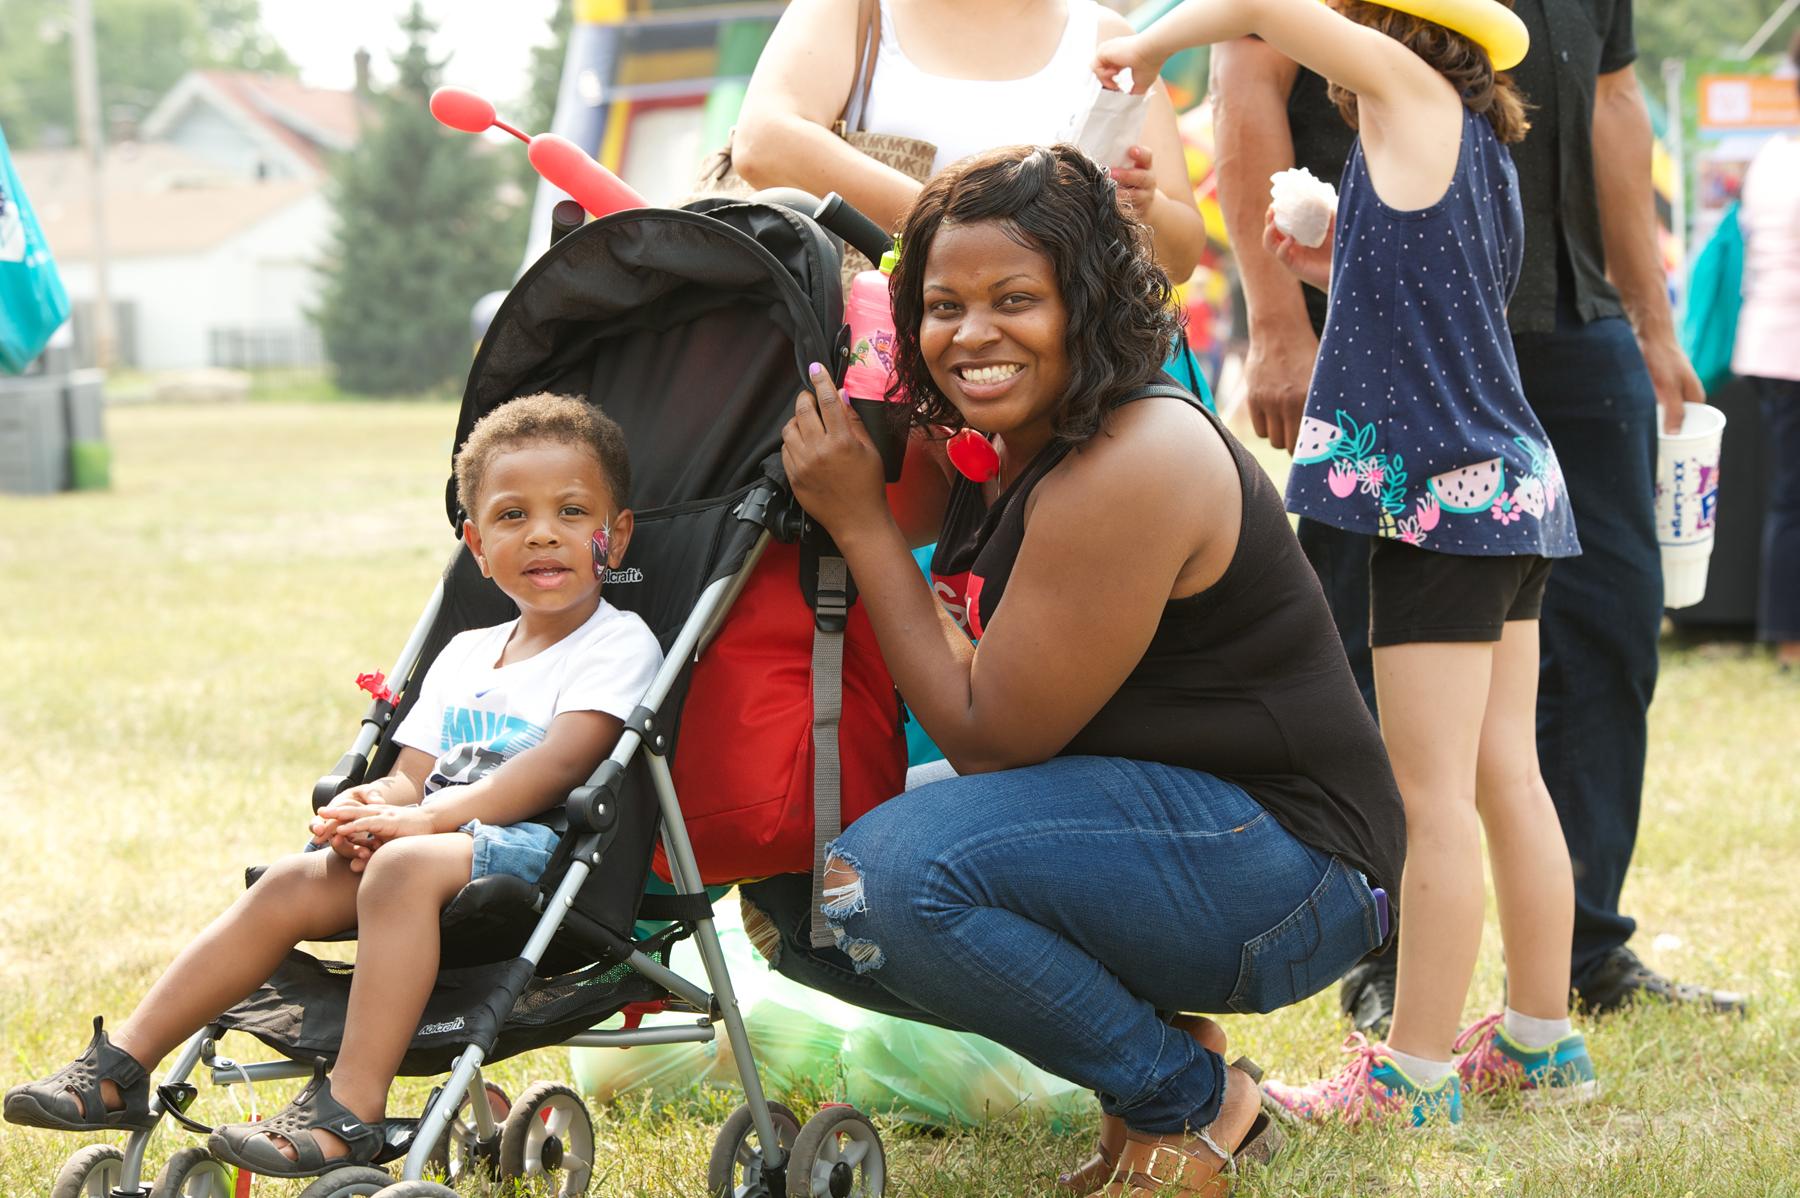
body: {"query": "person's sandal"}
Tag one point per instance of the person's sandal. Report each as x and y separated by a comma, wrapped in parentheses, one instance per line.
(70, 1100)
(251, 1146)
(1198, 1165)
(1093, 1174)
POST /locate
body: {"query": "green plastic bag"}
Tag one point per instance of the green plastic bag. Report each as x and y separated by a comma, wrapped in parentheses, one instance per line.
(929, 1075)
(807, 1041)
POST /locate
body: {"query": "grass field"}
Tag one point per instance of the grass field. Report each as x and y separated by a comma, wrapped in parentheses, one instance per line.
(179, 656)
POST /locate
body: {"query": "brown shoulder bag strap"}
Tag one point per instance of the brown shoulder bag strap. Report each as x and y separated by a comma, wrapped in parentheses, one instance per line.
(868, 45)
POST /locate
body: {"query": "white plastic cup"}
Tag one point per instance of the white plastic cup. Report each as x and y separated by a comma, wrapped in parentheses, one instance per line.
(1687, 498)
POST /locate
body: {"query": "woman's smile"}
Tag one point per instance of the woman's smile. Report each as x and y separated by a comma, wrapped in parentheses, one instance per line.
(982, 381)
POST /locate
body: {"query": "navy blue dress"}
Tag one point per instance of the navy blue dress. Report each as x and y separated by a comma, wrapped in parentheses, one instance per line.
(1416, 424)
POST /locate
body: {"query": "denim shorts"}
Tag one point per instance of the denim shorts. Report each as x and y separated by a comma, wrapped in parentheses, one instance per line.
(522, 850)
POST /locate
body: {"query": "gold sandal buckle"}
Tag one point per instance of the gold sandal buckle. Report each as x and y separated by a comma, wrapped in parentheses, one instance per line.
(1181, 1163)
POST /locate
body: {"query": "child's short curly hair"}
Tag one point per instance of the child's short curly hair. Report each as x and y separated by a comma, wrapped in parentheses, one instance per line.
(558, 419)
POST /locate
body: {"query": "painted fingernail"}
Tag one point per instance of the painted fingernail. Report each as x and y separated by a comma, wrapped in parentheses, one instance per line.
(816, 370)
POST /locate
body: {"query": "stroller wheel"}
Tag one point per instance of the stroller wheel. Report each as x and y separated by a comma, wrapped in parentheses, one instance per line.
(736, 1167)
(94, 1172)
(838, 1154)
(461, 1149)
(549, 1135)
(352, 1181)
(193, 1173)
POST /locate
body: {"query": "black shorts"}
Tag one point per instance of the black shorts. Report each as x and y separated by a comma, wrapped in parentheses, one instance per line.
(1417, 596)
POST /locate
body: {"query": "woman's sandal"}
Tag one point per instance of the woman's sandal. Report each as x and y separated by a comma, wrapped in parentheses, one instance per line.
(252, 1146)
(1098, 1169)
(1199, 1165)
(70, 1100)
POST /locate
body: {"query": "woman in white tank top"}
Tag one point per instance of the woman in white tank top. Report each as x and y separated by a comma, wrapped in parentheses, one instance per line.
(966, 76)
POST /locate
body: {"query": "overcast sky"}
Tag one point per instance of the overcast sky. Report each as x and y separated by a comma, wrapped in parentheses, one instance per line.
(489, 41)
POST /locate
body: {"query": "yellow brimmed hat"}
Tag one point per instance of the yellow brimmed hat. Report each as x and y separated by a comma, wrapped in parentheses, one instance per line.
(1488, 23)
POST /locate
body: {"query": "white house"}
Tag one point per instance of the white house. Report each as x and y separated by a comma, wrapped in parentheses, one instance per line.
(215, 221)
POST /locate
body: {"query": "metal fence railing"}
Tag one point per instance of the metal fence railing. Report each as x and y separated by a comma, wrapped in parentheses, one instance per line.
(247, 348)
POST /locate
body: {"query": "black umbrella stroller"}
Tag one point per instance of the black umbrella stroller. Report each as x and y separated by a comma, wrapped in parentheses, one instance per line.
(693, 329)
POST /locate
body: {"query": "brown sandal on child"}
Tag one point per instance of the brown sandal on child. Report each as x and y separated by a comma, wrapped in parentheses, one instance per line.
(70, 1099)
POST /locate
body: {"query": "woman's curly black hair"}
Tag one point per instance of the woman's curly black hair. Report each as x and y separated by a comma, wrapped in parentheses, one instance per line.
(1059, 202)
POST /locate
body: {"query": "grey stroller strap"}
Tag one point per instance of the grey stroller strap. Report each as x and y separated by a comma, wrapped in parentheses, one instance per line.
(828, 706)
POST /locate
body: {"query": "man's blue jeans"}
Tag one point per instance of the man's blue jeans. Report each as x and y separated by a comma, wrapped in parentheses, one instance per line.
(1602, 611)
(1056, 909)
(1778, 607)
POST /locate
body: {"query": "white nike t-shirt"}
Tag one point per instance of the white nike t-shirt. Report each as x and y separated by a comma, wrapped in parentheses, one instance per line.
(472, 715)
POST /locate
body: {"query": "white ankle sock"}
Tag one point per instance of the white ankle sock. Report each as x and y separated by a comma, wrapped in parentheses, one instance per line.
(1425, 1073)
(1533, 1032)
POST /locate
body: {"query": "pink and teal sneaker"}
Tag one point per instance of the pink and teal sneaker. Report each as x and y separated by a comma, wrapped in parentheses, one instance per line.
(1371, 1086)
(1493, 1061)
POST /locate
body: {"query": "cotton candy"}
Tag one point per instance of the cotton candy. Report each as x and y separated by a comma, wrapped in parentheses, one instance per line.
(1303, 205)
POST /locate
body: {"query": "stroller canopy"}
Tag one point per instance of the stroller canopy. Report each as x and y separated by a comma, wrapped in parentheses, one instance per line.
(691, 328)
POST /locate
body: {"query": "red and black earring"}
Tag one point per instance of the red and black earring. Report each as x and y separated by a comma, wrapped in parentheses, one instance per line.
(973, 456)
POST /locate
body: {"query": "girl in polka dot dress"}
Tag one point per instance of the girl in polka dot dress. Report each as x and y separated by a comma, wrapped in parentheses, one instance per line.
(1417, 432)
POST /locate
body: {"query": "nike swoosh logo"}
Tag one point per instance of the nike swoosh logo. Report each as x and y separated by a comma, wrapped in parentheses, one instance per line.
(348, 1128)
(480, 694)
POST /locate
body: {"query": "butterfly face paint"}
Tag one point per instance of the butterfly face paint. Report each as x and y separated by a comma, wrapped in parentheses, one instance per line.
(602, 547)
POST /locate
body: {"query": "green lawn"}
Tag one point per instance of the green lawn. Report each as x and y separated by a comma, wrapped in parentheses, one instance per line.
(179, 661)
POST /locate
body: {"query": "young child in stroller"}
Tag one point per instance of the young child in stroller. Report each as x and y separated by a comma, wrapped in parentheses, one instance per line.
(508, 720)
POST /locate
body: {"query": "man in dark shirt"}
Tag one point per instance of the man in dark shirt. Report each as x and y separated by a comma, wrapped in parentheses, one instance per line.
(1594, 380)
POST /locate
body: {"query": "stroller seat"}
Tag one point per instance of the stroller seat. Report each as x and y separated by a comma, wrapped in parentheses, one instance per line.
(489, 920)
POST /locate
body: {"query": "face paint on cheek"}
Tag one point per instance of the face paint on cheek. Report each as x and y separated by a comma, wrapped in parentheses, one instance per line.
(602, 547)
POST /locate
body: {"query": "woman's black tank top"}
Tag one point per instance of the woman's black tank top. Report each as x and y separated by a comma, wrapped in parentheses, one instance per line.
(1245, 680)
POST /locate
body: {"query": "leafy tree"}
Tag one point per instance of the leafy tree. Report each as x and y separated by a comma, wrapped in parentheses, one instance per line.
(1697, 28)
(420, 234)
(539, 105)
(141, 48)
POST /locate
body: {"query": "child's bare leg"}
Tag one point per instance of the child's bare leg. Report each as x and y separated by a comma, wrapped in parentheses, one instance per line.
(305, 896)
(1532, 877)
(404, 890)
(1432, 698)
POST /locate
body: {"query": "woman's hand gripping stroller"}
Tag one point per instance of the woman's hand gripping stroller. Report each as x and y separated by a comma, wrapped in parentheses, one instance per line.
(831, 461)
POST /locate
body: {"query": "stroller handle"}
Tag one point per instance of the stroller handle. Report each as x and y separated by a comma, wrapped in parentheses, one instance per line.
(836, 214)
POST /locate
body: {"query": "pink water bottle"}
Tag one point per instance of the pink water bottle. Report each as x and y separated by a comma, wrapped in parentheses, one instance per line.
(871, 371)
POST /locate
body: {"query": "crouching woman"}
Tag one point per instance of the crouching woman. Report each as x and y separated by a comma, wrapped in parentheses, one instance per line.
(1170, 796)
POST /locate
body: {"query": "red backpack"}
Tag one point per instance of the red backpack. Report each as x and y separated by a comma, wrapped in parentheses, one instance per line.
(744, 759)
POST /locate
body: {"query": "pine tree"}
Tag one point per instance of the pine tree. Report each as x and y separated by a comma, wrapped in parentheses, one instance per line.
(421, 234)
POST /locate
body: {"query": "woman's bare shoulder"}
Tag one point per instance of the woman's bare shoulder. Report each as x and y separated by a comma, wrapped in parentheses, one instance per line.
(1152, 451)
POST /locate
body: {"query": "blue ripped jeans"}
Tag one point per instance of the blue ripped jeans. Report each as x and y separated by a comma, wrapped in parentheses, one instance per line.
(1056, 909)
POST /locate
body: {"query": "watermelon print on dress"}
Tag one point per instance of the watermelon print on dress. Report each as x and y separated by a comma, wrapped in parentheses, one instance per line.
(1315, 441)
(1416, 425)
(1469, 489)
